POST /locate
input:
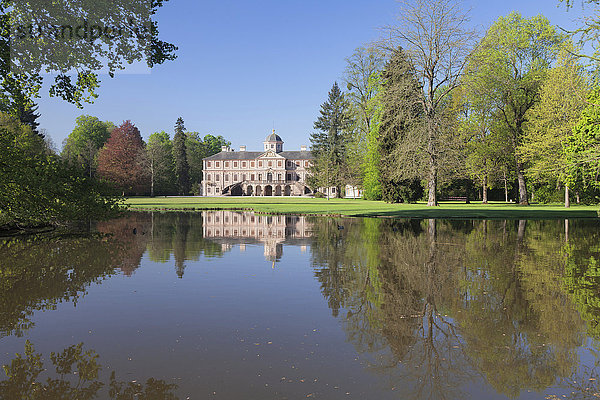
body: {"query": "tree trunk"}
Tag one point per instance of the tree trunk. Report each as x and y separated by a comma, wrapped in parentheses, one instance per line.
(522, 185)
(567, 200)
(577, 197)
(152, 179)
(432, 184)
(505, 188)
(485, 192)
(566, 231)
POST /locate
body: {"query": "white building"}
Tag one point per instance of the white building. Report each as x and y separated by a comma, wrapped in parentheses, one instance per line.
(271, 172)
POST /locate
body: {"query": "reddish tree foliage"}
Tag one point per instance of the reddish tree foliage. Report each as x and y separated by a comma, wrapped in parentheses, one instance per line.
(122, 160)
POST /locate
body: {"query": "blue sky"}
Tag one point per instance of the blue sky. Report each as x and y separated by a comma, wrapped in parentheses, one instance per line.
(243, 66)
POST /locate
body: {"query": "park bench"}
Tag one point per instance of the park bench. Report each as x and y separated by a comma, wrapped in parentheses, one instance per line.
(456, 198)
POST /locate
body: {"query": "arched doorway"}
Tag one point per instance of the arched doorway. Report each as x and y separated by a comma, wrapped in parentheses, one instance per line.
(258, 190)
(268, 190)
(287, 191)
(249, 190)
(278, 190)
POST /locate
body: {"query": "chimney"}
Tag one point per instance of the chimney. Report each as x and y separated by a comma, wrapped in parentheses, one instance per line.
(225, 148)
(242, 148)
(303, 147)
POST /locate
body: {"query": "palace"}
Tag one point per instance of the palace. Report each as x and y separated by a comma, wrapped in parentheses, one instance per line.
(271, 172)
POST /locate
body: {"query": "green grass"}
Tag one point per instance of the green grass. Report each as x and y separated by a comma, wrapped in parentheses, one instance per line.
(362, 208)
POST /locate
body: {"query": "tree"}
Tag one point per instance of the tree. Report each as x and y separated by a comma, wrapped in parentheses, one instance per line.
(60, 37)
(84, 142)
(182, 168)
(402, 141)
(582, 148)
(436, 41)
(122, 160)
(551, 121)
(38, 188)
(329, 142)
(162, 165)
(589, 30)
(506, 71)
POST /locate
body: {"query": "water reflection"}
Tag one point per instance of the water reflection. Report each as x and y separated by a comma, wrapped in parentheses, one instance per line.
(440, 301)
(233, 227)
(75, 374)
(435, 307)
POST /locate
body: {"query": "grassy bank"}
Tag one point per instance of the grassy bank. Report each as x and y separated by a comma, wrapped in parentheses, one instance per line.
(361, 208)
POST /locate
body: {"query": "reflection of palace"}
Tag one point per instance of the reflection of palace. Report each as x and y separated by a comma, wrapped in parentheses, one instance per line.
(235, 227)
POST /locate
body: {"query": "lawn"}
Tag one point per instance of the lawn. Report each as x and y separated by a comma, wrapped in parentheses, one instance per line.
(362, 208)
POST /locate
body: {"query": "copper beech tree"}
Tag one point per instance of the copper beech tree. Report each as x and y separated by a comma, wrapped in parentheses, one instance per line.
(122, 160)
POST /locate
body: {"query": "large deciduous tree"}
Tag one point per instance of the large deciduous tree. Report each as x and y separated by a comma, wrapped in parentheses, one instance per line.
(436, 40)
(329, 142)
(84, 142)
(583, 146)
(562, 99)
(182, 168)
(122, 161)
(73, 39)
(506, 71)
(162, 164)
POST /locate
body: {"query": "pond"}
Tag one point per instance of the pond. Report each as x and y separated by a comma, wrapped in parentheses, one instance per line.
(233, 305)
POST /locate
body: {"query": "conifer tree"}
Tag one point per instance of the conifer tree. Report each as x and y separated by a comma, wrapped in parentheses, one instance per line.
(182, 168)
(329, 142)
(402, 137)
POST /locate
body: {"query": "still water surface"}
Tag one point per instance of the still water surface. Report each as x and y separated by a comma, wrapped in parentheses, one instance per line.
(232, 305)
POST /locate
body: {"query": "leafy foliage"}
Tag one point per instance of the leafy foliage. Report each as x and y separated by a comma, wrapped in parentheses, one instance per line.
(37, 187)
(122, 161)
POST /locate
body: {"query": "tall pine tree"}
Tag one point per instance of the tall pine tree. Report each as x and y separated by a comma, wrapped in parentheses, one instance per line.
(182, 168)
(329, 142)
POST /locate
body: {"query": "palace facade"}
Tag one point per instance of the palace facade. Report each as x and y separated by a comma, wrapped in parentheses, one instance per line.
(271, 172)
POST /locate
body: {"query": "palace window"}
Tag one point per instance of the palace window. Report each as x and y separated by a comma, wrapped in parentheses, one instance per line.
(217, 164)
(260, 163)
(306, 164)
(235, 164)
(278, 177)
(244, 177)
(252, 164)
(260, 177)
(226, 164)
(217, 178)
(226, 177)
(279, 163)
(244, 164)
(298, 164)
(270, 164)
(208, 164)
(252, 177)
(235, 177)
(289, 177)
(208, 177)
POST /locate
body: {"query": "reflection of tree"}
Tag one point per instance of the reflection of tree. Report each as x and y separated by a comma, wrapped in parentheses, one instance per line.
(520, 329)
(500, 281)
(77, 377)
(39, 272)
(179, 234)
(132, 233)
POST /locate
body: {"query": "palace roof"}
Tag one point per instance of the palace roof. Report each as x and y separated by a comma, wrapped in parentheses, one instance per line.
(252, 155)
